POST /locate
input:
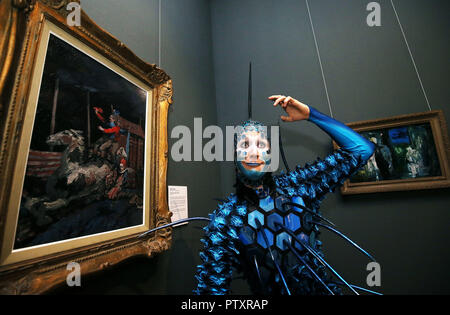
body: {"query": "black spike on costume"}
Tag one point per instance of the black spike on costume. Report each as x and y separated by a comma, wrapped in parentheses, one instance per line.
(253, 203)
(309, 249)
(316, 255)
(283, 156)
(307, 210)
(299, 257)
(347, 239)
(250, 93)
(255, 261)
(283, 279)
(172, 224)
(359, 288)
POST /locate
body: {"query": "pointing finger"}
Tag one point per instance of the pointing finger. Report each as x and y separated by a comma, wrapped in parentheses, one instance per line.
(273, 97)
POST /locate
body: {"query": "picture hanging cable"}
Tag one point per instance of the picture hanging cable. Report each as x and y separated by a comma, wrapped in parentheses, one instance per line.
(411, 55)
(320, 59)
(159, 34)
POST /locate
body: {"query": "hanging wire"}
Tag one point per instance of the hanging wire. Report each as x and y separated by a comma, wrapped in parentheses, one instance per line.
(320, 59)
(159, 34)
(411, 55)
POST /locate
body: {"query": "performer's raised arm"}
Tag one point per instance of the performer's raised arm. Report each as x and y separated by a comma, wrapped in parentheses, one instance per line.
(337, 167)
(344, 136)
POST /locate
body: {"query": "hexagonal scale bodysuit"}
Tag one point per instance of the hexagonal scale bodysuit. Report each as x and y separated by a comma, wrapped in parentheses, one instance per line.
(272, 235)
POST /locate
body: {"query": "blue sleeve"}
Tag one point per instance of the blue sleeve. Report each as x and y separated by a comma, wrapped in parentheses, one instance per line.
(344, 136)
(219, 249)
(313, 181)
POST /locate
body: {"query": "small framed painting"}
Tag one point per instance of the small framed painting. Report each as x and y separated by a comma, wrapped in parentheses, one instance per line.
(411, 153)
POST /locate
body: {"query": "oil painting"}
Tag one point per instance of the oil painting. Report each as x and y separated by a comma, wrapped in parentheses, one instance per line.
(84, 137)
(400, 153)
(85, 168)
(411, 153)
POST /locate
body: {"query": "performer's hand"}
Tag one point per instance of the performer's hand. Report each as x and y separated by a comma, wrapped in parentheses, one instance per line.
(101, 128)
(296, 110)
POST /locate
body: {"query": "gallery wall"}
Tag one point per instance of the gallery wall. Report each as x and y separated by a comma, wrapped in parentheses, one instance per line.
(369, 74)
(206, 46)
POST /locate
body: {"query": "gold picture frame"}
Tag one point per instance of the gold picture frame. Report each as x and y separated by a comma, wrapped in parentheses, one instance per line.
(29, 29)
(419, 158)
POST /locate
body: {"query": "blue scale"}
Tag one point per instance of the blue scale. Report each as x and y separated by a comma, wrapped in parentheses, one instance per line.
(270, 213)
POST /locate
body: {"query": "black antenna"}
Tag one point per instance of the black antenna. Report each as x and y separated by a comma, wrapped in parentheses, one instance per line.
(283, 156)
(250, 93)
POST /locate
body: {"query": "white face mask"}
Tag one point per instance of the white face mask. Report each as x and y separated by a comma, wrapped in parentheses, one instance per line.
(253, 154)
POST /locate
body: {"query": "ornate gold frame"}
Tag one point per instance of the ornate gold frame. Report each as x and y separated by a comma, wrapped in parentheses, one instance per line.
(21, 26)
(439, 128)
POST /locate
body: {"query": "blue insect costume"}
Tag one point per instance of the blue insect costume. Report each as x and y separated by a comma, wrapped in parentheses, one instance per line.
(271, 233)
(269, 229)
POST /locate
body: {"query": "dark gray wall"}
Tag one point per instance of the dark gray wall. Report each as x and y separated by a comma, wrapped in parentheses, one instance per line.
(369, 75)
(206, 48)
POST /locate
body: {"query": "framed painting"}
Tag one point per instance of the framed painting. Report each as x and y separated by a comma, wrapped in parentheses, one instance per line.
(83, 157)
(411, 153)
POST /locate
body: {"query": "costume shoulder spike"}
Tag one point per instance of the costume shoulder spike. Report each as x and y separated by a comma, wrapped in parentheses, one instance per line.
(250, 93)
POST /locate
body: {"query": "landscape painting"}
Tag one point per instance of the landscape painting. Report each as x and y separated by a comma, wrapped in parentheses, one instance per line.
(405, 152)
